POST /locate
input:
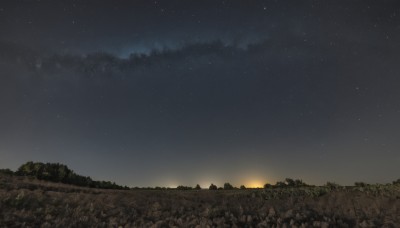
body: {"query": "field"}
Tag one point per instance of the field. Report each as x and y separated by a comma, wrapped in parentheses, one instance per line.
(27, 202)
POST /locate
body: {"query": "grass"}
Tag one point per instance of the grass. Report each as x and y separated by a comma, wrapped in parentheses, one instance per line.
(34, 203)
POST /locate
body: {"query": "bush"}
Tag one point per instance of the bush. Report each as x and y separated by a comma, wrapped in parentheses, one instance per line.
(212, 187)
(360, 184)
(228, 186)
(56, 172)
(181, 187)
(7, 172)
(332, 185)
(267, 185)
(280, 184)
(242, 187)
(290, 182)
(294, 183)
(197, 187)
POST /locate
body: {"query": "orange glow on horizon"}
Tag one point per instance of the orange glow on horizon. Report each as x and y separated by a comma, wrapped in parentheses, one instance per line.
(255, 184)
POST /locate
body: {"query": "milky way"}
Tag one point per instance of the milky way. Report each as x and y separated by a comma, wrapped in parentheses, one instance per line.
(180, 92)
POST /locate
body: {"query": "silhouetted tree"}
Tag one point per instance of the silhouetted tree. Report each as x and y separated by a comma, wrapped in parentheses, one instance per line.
(332, 185)
(228, 186)
(267, 186)
(280, 184)
(212, 187)
(242, 187)
(197, 187)
(181, 187)
(299, 183)
(7, 172)
(56, 172)
(290, 182)
(360, 184)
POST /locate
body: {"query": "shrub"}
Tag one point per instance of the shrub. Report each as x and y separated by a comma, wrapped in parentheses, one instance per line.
(212, 187)
(280, 184)
(56, 172)
(294, 183)
(360, 184)
(299, 183)
(228, 186)
(7, 172)
(332, 185)
(290, 182)
(181, 187)
(267, 186)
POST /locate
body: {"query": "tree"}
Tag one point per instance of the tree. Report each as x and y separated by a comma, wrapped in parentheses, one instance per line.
(280, 184)
(197, 187)
(299, 183)
(228, 186)
(290, 182)
(7, 172)
(267, 185)
(213, 187)
(181, 187)
(56, 172)
(332, 185)
(360, 184)
(242, 187)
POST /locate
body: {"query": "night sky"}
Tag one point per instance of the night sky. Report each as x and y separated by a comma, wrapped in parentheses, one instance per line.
(167, 93)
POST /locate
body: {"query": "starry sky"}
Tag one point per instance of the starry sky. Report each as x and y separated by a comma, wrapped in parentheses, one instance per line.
(168, 92)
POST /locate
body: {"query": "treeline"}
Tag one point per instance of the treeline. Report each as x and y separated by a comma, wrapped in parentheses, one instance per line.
(227, 186)
(280, 184)
(56, 172)
(287, 183)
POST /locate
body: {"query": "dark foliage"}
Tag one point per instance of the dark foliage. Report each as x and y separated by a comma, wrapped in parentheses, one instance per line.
(294, 183)
(56, 172)
(280, 184)
(213, 187)
(228, 186)
(267, 185)
(181, 187)
(360, 184)
(6, 172)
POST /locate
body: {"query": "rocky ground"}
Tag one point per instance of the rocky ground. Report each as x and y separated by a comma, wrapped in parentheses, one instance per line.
(26, 202)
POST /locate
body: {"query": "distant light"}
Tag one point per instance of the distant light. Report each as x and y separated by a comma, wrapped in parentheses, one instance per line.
(254, 184)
